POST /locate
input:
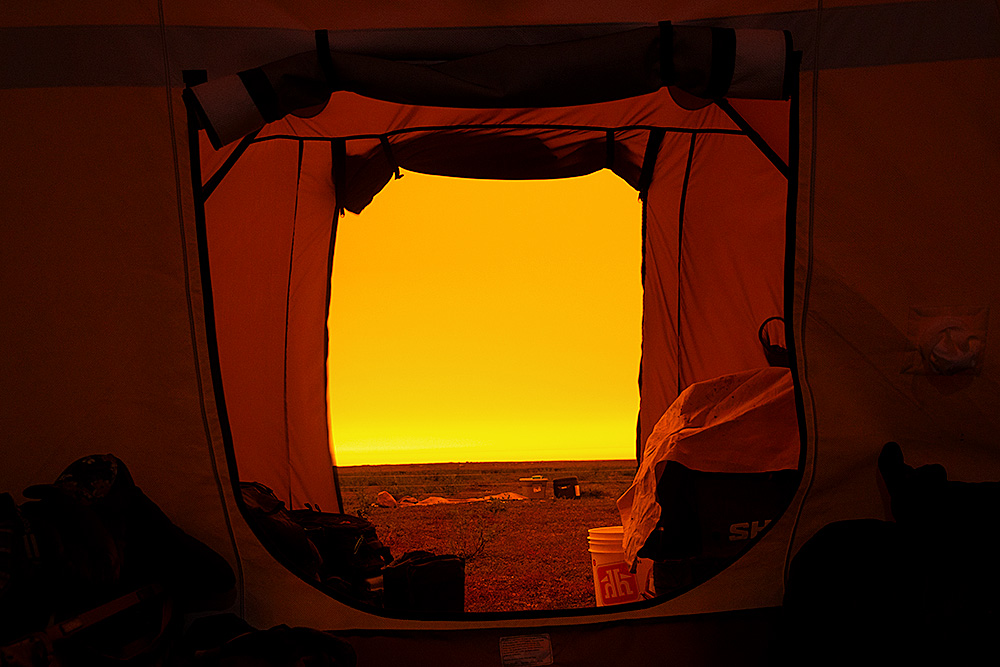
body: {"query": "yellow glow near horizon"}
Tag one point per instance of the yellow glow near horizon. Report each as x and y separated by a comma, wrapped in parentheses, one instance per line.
(479, 320)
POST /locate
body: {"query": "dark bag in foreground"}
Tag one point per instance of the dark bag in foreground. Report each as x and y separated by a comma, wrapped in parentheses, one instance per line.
(353, 556)
(221, 642)
(124, 631)
(96, 574)
(421, 582)
(340, 551)
(708, 519)
(282, 535)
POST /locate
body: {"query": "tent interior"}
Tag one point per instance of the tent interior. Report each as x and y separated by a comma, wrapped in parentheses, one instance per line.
(714, 218)
(818, 240)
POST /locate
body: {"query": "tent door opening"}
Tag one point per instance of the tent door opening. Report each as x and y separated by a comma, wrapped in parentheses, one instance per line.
(713, 248)
(485, 320)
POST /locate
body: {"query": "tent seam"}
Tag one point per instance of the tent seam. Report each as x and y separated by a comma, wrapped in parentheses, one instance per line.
(811, 208)
(288, 300)
(680, 246)
(512, 126)
(215, 179)
(653, 143)
(190, 305)
(754, 136)
(338, 162)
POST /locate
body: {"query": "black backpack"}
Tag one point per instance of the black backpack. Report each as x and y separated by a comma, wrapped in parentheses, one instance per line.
(283, 536)
(422, 582)
(353, 556)
(94, 570)
(226, 640)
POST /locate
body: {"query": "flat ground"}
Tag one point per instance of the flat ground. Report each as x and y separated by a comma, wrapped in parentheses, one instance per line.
(520, 554)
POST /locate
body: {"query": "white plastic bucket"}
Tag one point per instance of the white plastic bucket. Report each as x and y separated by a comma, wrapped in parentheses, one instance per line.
(613, 583)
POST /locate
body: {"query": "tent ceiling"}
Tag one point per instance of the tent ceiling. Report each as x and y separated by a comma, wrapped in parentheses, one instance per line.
(124, 51)
(705, 62)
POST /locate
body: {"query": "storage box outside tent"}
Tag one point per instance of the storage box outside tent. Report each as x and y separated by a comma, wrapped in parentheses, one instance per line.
(869, 175)
(566, 487)
(535, 487)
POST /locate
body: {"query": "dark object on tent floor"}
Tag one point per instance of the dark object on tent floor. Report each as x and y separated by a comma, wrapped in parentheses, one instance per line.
(708, 519)
(276, 529)
(920, 590)
(97, 570)
(566, 487)
(422, 582)
(340, 551)
(127, 630)
(95, 503)
(228, 641)
(353, 556)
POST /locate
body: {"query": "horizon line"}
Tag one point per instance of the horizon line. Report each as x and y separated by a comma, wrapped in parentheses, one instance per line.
(515, 462)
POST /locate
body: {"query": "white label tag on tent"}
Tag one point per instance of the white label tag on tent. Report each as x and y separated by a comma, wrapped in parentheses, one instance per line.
(526, 651)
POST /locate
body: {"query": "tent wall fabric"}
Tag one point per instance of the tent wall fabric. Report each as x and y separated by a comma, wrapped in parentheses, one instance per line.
(894, 155)
(272, 346)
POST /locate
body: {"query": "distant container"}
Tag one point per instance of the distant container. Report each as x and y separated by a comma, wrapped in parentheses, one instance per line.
(535, 487)
(566, 487)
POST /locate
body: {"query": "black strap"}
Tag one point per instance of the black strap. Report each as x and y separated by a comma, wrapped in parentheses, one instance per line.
(389, 156)
(666, 53)
(338, 165)
(323, 56)
(754, 136)
(649, 160)
(262, 93)
(609, 144)
(220, 173)
(793, 60)
(723, 62)
(194, 77)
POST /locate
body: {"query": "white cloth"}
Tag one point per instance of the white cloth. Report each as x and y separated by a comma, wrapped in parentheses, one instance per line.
(741, 423)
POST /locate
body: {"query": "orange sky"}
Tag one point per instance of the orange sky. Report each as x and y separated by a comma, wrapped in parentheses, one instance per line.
(477, 320)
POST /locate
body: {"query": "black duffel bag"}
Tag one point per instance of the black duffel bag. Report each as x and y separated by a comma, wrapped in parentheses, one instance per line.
(353, 556)
(422, 582)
